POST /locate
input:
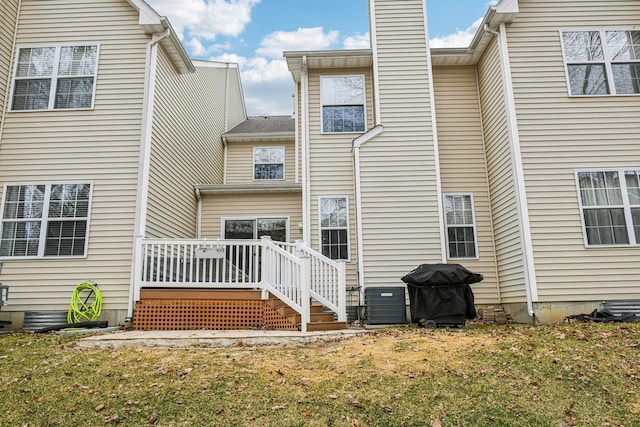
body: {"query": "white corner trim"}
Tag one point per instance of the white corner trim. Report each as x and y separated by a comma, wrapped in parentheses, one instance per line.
(374, 50)
(518, 168)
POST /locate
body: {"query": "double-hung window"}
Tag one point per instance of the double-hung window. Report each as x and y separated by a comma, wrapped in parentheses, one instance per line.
(610, 206)
(55, 77)
(461, 228)
(342, 100)
(334, 227)
(602, 62)
(268, 163)
(45, 220)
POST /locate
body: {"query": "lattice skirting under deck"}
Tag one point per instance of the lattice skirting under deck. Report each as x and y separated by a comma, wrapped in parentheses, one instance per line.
(193, 314)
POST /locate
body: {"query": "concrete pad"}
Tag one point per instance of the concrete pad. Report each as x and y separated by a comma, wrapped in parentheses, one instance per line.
(213, 339)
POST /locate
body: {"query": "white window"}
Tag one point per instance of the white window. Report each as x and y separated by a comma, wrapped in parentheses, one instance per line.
(268, 162)
(45, 220)
(461, 228)
(610, 206)
(342, 100)
(602, 62)
(334, 227)
(56, 77)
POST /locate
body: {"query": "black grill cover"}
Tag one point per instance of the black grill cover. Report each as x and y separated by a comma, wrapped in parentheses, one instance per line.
(441, 275)
(438, 291)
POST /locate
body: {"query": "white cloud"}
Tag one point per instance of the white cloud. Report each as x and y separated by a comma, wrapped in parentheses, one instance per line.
(196, 47)
(314, 38)
(461, 38)
(206, 19)
(357, 41)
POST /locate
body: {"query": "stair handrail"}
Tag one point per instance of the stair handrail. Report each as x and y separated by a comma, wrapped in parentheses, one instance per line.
(285, 275)
(330, 293)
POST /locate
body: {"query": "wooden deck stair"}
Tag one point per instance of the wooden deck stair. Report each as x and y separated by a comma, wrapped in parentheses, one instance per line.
(321, 320)
(184, 309)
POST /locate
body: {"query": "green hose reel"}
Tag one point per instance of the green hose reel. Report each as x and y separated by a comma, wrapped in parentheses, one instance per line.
(86, 303)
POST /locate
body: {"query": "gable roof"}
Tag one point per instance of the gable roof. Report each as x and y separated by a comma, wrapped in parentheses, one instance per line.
(153, 23)
(263, 129)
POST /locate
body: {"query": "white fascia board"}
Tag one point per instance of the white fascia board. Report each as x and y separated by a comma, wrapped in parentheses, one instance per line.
(147, 15)
(508, 7)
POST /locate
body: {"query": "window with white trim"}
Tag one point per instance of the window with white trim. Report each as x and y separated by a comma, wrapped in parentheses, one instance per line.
(602, 62)
(268, 163)
(461, 227)
(342, 99)
(45, 220)
(55, 77)
(610, 207)
(334, 227)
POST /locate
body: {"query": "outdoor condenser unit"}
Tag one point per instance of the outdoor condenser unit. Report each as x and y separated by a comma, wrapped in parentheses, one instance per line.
(385, 305)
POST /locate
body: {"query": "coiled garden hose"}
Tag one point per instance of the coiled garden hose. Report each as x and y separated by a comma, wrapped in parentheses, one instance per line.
(85, 311)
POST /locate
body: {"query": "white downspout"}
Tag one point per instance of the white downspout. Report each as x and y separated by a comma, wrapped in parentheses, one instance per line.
(199, 214)
(306, 184)
(531, 288)
(297, 137)
(359, 241)
(436, 150)
(145, 160)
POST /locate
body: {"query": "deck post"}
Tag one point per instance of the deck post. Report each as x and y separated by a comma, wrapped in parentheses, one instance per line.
(342, 292)
(264, 261)
(305, 295)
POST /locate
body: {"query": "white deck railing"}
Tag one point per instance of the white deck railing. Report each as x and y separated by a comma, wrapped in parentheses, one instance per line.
(328, 281)
(292, 272)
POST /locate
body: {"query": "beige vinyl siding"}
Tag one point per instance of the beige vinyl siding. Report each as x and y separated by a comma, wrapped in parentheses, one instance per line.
(272, 205)
(463, 165)
(240, 161)
(560, 134)
(504, 211)
(99, 145)
(236, 112)
(400, 220)
(331, 166)
(8, 15)
(189, 119)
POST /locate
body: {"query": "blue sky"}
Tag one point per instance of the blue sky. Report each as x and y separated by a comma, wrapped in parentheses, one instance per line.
(254, 33)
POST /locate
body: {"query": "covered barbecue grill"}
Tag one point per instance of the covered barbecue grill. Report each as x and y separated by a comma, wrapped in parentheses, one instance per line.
(440, 295)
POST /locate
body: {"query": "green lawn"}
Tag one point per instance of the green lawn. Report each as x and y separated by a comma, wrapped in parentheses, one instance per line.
(515, 375)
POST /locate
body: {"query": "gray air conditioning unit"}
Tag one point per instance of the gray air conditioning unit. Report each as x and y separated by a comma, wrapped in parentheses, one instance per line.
(386, 305)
